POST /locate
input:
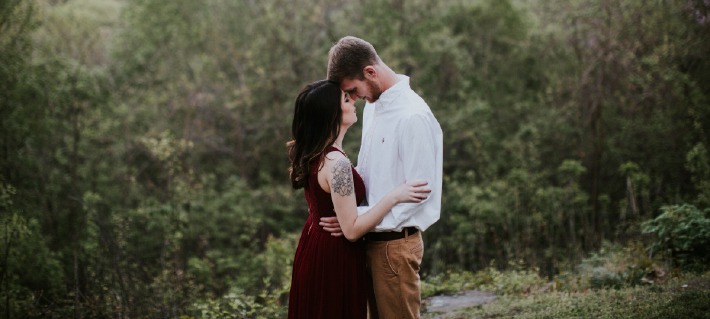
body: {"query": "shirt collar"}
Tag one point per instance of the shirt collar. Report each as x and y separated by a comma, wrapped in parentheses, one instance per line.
(390, 95)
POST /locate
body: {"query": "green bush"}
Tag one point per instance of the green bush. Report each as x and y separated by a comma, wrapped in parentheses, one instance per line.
(32, 277)
(238, 304)
(680, 297)
(613, 266)
(515, 279)
(270, 301)
(448, 283)
(682, 231)
(32, 274)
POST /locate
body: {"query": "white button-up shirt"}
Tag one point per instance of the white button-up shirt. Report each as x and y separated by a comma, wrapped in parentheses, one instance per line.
(401, 141)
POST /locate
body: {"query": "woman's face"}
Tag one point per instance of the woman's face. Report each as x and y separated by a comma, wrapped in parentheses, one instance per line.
(347, 106)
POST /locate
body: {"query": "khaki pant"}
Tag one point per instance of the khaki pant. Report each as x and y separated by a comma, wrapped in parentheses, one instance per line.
(394, 269)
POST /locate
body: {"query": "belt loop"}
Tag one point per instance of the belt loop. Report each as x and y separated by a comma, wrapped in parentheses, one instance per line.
(406, 234)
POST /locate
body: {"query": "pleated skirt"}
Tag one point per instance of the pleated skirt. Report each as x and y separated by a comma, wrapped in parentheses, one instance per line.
(329, 278)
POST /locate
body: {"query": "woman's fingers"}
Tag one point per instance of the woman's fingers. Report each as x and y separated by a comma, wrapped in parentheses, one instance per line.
(418, 183)
(421, 189)
(417, 191)
(420, 193)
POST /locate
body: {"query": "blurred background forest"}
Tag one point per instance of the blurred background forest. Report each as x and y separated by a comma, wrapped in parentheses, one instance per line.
(143, 171)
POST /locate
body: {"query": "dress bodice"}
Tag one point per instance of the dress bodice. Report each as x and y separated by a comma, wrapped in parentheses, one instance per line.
(320, 203)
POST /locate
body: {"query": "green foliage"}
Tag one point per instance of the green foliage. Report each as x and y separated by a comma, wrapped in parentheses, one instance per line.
(682, 297)
(144, 142)
(269, 302)
(448, 283)
(78, 30)
(698, 163)
(682, 231)
(613, 266)
(32, 277)
(486, 221)
(237, 304)
(514, 280)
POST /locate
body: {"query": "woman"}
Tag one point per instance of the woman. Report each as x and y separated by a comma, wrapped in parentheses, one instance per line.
(329, 279)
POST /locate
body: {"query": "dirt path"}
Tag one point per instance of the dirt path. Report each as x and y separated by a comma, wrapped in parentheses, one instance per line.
(438, 306)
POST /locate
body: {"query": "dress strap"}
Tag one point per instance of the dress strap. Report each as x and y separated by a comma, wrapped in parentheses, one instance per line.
(333, 148)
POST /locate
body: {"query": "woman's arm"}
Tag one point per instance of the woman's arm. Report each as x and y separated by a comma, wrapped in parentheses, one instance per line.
(336, 177)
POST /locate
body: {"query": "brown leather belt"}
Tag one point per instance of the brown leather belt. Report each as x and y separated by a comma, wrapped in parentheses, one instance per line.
(390, 235)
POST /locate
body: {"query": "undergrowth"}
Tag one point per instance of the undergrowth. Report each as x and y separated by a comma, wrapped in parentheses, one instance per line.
(687, 296)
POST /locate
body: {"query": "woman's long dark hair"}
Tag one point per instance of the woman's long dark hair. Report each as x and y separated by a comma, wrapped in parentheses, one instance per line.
(316, 125)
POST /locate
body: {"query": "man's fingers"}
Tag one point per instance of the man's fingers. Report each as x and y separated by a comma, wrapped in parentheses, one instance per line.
(329, 225)
(329, 220)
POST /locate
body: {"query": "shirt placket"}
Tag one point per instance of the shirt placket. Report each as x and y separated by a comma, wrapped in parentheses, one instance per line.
(368, 148)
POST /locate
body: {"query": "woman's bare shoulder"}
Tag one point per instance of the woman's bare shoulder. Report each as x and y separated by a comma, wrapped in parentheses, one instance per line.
(335, 159)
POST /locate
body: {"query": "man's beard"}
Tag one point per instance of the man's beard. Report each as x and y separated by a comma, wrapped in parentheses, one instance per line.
(374, 89)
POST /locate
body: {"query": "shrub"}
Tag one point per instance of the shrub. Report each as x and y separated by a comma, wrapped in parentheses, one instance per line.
(270, 301)
(236, 304)
(448, 283)
(613, 266)
(515, 279)
(682, 231)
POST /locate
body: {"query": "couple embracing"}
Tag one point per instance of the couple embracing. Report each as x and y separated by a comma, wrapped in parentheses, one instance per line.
(361, 246)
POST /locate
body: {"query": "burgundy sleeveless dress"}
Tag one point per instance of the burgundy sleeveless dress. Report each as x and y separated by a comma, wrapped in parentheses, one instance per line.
(329, 279)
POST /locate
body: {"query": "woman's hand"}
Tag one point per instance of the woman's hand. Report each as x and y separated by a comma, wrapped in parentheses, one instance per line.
(411, 192)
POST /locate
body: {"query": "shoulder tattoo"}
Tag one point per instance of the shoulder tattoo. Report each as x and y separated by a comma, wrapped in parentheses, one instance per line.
(342, 178)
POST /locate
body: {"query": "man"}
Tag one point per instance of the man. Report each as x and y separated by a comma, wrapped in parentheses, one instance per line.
(401, 141)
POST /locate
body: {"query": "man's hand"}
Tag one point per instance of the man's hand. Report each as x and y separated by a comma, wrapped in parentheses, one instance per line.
(331, 225)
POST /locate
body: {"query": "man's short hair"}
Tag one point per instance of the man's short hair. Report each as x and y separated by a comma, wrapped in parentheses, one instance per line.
(348, 57)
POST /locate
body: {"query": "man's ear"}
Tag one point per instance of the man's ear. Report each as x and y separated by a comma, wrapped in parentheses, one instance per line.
(369, 72)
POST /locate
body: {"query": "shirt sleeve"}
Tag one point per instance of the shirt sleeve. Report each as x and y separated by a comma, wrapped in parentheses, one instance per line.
(417, 151)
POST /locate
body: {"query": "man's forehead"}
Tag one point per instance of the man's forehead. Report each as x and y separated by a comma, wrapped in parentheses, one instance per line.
(348, 84)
